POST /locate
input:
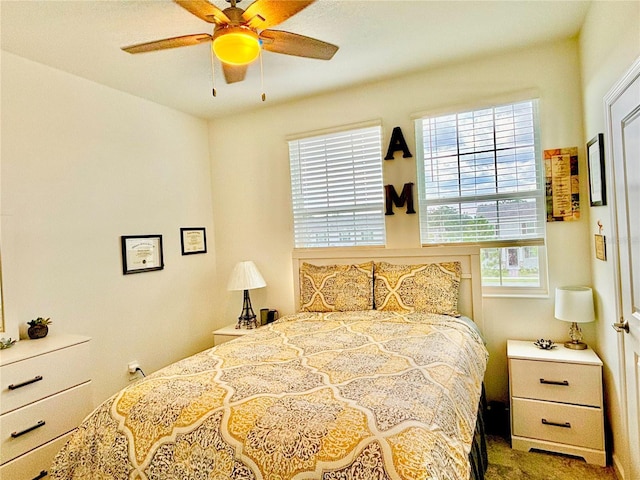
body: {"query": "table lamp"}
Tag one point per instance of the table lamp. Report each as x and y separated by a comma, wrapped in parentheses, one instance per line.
(575, 305)
(246, 276)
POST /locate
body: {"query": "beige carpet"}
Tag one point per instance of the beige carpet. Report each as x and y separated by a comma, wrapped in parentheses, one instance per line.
(508, 464)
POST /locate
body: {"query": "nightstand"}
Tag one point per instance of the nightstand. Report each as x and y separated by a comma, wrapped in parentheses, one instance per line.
(230, 332)
(45, 393)
(556, 400)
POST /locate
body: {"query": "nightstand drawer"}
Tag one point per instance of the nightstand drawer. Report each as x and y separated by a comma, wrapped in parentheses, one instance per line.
(38, 377)
(555, 422)
(26, 428)
(218, 339)
(558, 382)
(35, 465)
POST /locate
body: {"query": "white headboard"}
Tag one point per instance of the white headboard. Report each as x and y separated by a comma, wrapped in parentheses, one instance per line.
(470, 300)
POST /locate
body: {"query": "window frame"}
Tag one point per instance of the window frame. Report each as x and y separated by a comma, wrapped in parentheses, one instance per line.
(376, 200)
(540, 243)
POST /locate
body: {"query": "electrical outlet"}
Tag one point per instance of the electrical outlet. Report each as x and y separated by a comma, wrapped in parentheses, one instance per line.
(133, 367)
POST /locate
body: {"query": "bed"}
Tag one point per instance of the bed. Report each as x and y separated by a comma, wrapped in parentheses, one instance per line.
(336, 391)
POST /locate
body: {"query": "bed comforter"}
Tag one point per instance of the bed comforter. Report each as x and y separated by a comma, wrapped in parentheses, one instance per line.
(358, 395)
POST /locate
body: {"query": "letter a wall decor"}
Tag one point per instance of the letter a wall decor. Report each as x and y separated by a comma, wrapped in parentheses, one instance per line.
(397, 143)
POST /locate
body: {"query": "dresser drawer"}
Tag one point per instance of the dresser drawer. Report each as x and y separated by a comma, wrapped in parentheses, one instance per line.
(38, 377)
(35, 464)
(558, 382)
(580, 426)
(52, 417)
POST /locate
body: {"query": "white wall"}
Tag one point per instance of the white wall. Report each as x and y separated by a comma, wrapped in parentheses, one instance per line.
(251, 187)
(609, 43)
(83, 164)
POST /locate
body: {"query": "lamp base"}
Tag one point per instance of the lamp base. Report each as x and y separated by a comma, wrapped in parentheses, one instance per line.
(575, 334)
(575, 345)
(247, 318)
(248, 322)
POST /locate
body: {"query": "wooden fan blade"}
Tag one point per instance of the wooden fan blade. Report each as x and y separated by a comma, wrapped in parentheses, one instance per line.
(289, 43)
(268, 13)
(204, 10)
(234, 73)
(184, 41)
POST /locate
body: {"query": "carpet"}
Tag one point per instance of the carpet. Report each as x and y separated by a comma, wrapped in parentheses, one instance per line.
(508, 464)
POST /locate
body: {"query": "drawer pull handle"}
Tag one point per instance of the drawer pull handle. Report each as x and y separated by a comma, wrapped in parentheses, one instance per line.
(27, 430)
(42, 474)
(554, 424)
(24, 384)
(563, 383)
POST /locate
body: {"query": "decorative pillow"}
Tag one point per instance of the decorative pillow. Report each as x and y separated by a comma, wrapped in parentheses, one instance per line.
(336, 288)
(430, 288)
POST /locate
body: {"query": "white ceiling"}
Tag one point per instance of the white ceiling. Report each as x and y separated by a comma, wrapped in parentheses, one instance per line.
(377, 40)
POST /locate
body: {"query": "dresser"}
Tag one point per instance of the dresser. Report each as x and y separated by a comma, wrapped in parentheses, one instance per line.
(45, 395)
(556, 400)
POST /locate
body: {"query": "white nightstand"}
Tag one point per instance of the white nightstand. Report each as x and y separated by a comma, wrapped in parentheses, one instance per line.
(229, 332)
(46, 393)
(556, 400)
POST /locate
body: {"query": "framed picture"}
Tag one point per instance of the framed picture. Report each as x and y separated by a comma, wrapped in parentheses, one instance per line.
(562, 184)
(193, 240)
(141, 253)
(595, 161)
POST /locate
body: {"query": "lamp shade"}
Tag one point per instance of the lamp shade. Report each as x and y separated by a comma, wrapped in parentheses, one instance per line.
(574, 304)
(245, 276)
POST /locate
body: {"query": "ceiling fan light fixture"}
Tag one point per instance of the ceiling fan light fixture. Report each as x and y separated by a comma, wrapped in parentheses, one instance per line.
(236, 45)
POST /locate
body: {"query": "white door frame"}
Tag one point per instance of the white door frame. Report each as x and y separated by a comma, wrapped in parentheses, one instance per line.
(614, 94)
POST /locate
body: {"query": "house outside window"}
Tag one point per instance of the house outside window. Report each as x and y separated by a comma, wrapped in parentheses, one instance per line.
(336, 188)
(480, 181)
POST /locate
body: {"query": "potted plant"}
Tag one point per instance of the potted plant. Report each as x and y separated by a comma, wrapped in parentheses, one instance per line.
(39, 327)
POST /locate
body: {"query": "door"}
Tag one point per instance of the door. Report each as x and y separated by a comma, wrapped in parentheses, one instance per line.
(623, 113)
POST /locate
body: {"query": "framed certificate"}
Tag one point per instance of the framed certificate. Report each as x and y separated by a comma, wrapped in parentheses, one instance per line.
(141, 253)
(193, 240)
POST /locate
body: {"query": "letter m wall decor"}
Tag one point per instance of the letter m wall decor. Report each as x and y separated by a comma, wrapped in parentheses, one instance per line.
(392, 198)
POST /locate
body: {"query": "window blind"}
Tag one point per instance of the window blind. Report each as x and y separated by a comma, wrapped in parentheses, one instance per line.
(336, 189)
(479, 176)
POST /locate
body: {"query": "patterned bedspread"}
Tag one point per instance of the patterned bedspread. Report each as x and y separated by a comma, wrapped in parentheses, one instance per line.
(358, 395)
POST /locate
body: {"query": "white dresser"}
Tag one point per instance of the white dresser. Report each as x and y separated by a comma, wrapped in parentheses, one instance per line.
(45, 395)
(556, 400)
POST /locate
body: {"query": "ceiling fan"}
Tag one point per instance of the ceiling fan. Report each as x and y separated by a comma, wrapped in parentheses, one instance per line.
(239, 35)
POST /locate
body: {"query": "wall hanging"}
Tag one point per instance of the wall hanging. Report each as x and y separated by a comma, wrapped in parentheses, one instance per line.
(141, 253)
(392, 198)
(397, 143)
(595, 163)
(601, 244)
(193, 240)
(562, 184)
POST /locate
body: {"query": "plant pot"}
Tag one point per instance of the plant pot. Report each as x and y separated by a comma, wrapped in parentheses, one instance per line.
(37, 331)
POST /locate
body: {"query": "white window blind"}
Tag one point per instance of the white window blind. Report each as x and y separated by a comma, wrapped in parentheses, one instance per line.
(336, 189)
(479, 176)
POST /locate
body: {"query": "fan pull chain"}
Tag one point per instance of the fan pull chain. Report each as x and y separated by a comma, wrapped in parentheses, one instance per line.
(213, 73)
(264, 95)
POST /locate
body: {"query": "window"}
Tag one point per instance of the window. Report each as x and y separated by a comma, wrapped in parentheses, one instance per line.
(336, 189)
(480, 181)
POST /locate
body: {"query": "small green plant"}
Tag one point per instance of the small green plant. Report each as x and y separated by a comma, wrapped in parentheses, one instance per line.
(39, 321)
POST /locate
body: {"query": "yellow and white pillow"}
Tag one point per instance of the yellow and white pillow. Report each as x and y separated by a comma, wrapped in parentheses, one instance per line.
(336, 288)
(428, 288)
